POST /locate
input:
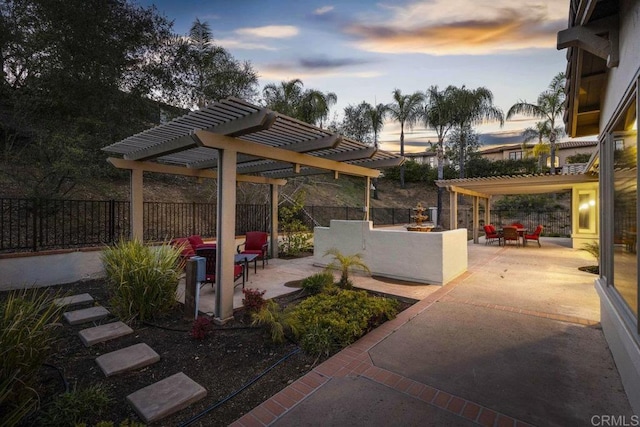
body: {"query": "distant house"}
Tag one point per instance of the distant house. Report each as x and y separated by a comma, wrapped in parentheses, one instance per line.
(424, 158)
(564, 150)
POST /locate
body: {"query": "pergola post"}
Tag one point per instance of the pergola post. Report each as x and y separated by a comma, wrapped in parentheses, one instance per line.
(476, 218)
(453, 210)
(274, 221)
(137, 204)
(225, 235)
(487, 211)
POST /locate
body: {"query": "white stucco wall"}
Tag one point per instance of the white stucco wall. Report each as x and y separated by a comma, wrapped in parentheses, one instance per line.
(52, 269)
(433, 258)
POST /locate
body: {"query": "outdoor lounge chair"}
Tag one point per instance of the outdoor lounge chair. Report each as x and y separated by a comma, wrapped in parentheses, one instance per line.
(535, 235)
(256, 243)
(209, 253)
(196, 242)
(490, 234)
(510, 233)
(186, 250)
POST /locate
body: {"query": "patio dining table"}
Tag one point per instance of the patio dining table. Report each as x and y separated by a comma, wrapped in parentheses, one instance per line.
(521, 233)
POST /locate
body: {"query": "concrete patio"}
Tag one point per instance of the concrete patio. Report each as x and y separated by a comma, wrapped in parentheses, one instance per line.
(514, 341)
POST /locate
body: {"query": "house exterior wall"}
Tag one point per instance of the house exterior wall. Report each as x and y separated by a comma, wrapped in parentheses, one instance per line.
(619, 323)
(433, 258)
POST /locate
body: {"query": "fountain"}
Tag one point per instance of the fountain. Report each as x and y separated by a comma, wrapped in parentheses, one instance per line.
(420, 218)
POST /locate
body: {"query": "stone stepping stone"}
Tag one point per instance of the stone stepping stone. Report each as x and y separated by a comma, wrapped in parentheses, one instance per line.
(165, 397)
(127, 359)
(73, 300)
(90, 314)
(102, 333)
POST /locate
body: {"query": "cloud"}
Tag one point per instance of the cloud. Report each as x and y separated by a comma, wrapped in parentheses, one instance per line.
(287, 71)
(449, 27)
(327, 63)
(322, 10)
(269, 31)
(239, 44)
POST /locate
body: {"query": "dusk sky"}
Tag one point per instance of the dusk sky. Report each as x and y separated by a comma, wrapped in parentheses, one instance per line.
(363, 50)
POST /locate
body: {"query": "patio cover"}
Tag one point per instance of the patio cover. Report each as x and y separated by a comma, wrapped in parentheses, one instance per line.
(484, 188)
(235, 141)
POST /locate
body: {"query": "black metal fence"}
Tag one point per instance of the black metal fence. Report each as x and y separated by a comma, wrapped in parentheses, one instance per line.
(35, 225)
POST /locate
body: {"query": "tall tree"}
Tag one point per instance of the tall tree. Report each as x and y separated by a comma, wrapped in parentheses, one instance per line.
(284, 97)
(549, 107)
(538, 132)
(438, 115)
(356, 123)
(472, 106)
(315, 105)
(376, 117)
(472, 144)
(406, 110)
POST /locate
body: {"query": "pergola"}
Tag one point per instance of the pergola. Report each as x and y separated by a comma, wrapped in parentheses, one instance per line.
(234, 141)
(485, 188)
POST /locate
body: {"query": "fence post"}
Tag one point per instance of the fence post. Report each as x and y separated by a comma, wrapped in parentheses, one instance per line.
(34, 211)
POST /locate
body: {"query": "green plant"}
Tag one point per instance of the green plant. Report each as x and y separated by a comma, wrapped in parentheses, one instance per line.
(75, 407)
(275, 320)
(27, 322)
(253, 300)
(296, 235)
(345, 264)
(316, 283)
(142, 279)
(592, 248)
(329, 321)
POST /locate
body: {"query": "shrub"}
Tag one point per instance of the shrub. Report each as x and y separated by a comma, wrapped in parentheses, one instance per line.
(316, 283)
(592, 248)
(200, 328)
(330, 321)
(75, 407)
(142, 279)
(275, 320)
(27, 322)
(253, 300)
(296, 235)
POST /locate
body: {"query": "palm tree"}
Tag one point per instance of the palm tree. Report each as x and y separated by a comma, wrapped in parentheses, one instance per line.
(406, 110)
(539, 131)
(285, 97)
(438, 115)
(473, 106)
(345, 264)
(377, 115)
(315, 106)
(549, 106)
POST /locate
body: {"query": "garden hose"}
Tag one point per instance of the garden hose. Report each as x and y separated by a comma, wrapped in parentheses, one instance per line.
(64, 380)
(238, 391)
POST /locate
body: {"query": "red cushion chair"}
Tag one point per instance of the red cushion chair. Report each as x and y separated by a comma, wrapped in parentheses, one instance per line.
(490, 234)
(186, 250)
(209, 253)
(517, 225)
(197, 242)
(535, 236)
(256, 243)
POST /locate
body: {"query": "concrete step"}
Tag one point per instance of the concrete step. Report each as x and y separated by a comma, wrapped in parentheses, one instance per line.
(73, 300)
(127, 359)
(84, 315)
(165, 397)
(102, 333)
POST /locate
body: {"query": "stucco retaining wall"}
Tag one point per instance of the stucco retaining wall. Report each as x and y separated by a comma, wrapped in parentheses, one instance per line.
(432, 258)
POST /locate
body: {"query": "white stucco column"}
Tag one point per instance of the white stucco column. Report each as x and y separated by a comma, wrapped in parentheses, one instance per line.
(274, 221)
(225, 235)
(367, 198)
(137, 204)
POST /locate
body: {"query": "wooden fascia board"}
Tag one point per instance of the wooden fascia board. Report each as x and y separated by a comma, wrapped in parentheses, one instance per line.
(461, 190)
(222, 142)
(385, 163)
(588, 37)
(181, 170)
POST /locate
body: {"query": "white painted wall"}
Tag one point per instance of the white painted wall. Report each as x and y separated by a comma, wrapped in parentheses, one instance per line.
(54, 269)
(434, 257)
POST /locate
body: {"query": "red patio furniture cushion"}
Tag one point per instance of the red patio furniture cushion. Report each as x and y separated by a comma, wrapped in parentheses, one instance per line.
(256, 243)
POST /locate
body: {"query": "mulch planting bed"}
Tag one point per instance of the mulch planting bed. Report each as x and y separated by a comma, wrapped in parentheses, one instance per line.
(229, 357)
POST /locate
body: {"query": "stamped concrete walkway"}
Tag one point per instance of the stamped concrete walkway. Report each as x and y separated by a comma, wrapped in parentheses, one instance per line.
(515, 341)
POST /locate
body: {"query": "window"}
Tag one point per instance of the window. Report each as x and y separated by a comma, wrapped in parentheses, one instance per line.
(619, 145)
(515, 155)
(587, 211)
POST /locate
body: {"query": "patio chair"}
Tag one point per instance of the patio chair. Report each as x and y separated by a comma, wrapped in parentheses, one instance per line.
(186, 250)
(197, 242)
(491, 234)
(209, 253)
(256, 243)
(510, 234)
(535, 236)
(517, 224)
